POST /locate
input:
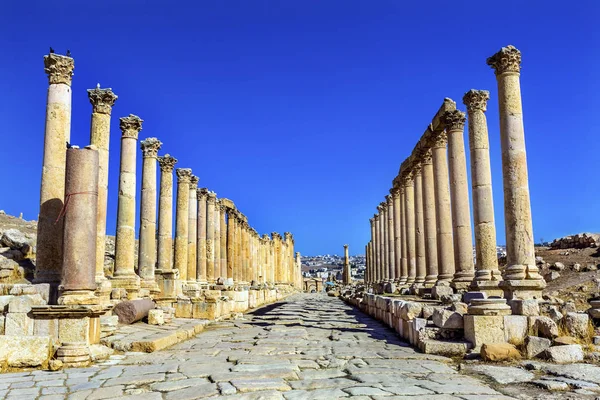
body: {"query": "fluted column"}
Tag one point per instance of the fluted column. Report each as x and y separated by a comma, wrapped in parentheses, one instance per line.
(211, 199)
(231, 273)
(391, 238)
(192, 249)
(57, 134)
(487, 275)
(459, 194)
(403, 239)
(201, 196)
(429, 217)
(147, 237)
(184, 176)
(346, 274)
(223, 244)
(165, 213)
(397, 229)
(421, 260)
(239, 249)
(217, 242)
(521, 276)
(124, 275)
(372, 264)
(386, 241)
(443, 214)
(409, 207)
(102, 101)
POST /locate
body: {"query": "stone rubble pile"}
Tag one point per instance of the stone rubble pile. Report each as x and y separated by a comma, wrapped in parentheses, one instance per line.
(578, 241)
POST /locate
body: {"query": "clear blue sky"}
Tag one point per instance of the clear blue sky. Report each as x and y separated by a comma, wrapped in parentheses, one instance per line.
(301, 111)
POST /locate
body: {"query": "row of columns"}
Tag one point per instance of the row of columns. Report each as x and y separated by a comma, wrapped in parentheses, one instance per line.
(422, 234)
(213, 244)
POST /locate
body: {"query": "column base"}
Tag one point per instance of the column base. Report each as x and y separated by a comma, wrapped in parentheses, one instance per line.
(151, 285)
(430, 281)
(490, 288)
(103, 290)
(74, 354)
(460, 286)
(131, 283)
(526, 289)
(78, 297)
(489, 307)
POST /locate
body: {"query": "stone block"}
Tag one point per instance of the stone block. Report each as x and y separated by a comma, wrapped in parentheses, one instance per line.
(448, 319)
(438, 291)
(565, 354)
(22, 304)
(535, 346)
(156, 317)
(2, 322)
(183, 308)
(481, 329)
(577, 324)
(4, 302)
(516, 328)
(442, 348)
(74, 330)
(411, 310)
(205, 310)
(499, 352)
(564, 340)
(18, 324)
(544, 327)
(46, 327)
(25, 351)
(468, 296)
(529, 307)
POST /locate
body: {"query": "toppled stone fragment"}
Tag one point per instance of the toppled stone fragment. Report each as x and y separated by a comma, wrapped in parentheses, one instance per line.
(499, 352)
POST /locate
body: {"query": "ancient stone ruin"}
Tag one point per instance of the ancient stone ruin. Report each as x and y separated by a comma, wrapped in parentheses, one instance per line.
(214, 264)
(421, 276)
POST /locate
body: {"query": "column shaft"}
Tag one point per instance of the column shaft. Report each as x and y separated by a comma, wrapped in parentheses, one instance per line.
(391, 239)
(429, 216)
(192, 248)
(217, 242)
(184, 176)
(165, 213)
(421, 260)
(403, 239)
(201, 266)
(210, 237)
(397, 236)
(409, 206)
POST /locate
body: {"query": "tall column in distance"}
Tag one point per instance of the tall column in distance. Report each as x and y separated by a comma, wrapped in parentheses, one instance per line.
(372, 261)
(231, 274)
(376, 259)
(217, 242)
(409, 207)
(223, 242)
(49, 257)
(391, 238)
(201, 196)
(147, 238)
(421, 260)
(102, 101)
(521, 276)
(487, 274)
(385, 241)
(459, 193)
(211, 200)
(429, 216)
(403, 239)
(346, 275)
(378, 243)
(124, 275)
(192, 249)
(442, 206)
(184, 176)
(166, 275)
(397, 229)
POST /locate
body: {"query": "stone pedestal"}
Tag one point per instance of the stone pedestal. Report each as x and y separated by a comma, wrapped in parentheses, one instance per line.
(78, 281)
(454, 122)
(147, 238)
(102, 101)
(57, 134)
(124, 276)
(521, 276)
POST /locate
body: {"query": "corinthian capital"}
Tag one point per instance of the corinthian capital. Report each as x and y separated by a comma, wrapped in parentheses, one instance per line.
(211, 197)
(476, 100)
(167, 163)
(59, 68)
(184, 175)
(508, 59)
(102, 100)
(454, 120)
(202, 193)
(426, 158)
(194, 182)
(131, 126)
(150, 147)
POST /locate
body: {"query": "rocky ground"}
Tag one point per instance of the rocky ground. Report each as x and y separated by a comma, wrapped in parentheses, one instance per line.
(309, 346)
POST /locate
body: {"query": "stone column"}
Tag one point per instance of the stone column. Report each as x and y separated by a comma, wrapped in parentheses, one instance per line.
(79, 256)
(231, 275)
(391, 238)
(372, 263)
(346, 275)
(210, 237)
(192, 249)
(57, 134)
(386, 241)
(521, 276)
(403, 239)
(165, 213)
(147, 238)
(421, 260)
(409, 210)
(124, 275)
(378, 255)
(223, 243)
(298, 274)
(429, 216)
(459, 193)
(102, 101)
(217, 243)
(397, 229)
(240, 249)
(487, 275)
(201, 196)
(443, 213)
(184, 176)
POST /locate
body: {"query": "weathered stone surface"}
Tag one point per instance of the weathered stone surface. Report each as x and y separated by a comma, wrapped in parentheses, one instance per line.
(133, 310)
(535, 346)
(411, 310)
(564, 340)
(565, 354)
(480, 329)
(448, 319)
(499, 352)
(15, 239)
(156, 317)
(25, 351)
(577, 324)
(545, 327)
(503, 375)
(525, 307)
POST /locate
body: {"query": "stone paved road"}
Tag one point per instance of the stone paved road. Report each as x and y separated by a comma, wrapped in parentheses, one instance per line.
(307, 347)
